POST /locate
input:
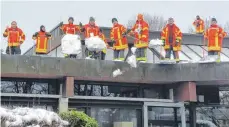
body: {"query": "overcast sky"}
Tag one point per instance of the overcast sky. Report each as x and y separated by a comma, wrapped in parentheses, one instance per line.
(30, 15)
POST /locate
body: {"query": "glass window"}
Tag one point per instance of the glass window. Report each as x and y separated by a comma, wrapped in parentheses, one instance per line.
(222, 56)
(52, 53)
(162, 52)
(115, 117)
(190, 53)
(197, 49)
(109, 55)
(225, 51)
(151, 57)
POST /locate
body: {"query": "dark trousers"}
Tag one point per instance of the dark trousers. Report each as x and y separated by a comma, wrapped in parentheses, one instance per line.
(141, 54)
(103, 55)
(119, 55)
(13, 50)
(213, 53)
(168, 53)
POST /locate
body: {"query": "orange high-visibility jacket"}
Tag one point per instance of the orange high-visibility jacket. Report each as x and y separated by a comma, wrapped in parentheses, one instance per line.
(199, 25)
(91, 30)
(70, 28)
(41, 42)
(116, 34)
(15, 36)
(213, 36)
(142, 39)
(176, 35)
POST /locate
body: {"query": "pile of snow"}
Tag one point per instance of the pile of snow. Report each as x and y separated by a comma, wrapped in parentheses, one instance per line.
(29, 117)
(155, 42)
(95, 44)
(117, 73)
(71, 44)
(206, 122)
(131, 60)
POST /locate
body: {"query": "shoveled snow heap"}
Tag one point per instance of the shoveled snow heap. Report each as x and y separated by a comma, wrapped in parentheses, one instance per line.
(206, 122)
(29, 117)
(131, 60)
(71, 44)
(95, 44)
(155, 42)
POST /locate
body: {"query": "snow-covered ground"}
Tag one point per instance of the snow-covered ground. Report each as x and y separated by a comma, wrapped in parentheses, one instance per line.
(30, 117)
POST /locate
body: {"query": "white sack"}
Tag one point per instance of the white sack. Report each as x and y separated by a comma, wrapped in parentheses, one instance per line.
(71, 44)
(95, 44)
(131, 60)
(155, 42)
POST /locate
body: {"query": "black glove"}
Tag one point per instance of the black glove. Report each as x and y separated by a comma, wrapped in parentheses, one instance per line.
(35, 35)
(124, 34)
(198, 24)
(177, 42)
(82, 42)
(48, 34)
(61, 24)
(81, 25)
(111, 43)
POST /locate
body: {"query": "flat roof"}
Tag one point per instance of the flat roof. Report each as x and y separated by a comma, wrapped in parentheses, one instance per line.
(98, 70)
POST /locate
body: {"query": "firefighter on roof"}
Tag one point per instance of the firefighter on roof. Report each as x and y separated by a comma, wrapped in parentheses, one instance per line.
(141, 32)
(90, 30)
(199, 25)
(42, 38)
(214, 36)
(70, 28)
(118, 37)
(15, 38)
(171, 37)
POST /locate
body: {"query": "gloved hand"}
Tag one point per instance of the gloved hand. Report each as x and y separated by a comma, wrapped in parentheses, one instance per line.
(140, 32)
(111, 43)
(81, 25)
(61, 24)
(48, 34)
(124, 34)
(177, 42)
(35, 35)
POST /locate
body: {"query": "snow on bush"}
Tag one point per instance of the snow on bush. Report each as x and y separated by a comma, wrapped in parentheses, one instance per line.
(206, 122)
(155, 42)
(29, 117)
(71, 44)
(95, 44)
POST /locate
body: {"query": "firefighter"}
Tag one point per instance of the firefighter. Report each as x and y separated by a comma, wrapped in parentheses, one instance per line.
(117, 36)
(90, 30)
(141, 32)
(214, 36)
(102, 36)
(171, 37)
(15, 38)
(199, 25)
(42, 38)
(70, 28)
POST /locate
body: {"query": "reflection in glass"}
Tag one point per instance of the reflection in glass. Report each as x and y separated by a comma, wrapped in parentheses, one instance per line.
(225, 51)
(107, 117)
(190, 53)
(24, 87)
